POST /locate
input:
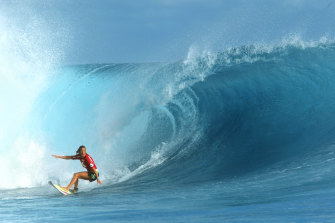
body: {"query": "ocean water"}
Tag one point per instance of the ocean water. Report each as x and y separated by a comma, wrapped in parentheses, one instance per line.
(242, 135)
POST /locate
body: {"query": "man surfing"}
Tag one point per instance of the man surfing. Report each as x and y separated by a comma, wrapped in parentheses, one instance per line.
(86, 160)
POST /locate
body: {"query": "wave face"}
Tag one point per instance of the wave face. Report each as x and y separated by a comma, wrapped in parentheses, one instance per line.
(257, 109)
(243, 112)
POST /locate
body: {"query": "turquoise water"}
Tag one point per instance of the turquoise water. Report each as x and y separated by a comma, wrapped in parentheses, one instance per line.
(243, 135)
(194, 204)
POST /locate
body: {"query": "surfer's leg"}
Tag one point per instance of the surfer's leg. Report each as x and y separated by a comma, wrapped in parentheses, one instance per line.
(75, 189)
(76, 176)
(76, 183)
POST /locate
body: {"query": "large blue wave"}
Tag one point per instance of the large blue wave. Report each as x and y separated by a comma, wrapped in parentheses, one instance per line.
(254, 109)
(208, 118)
(254, 114)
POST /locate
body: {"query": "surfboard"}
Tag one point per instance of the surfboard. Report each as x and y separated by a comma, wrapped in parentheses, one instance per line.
(61, 190)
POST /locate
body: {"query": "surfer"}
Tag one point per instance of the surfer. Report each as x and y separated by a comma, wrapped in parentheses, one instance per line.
(86, 160)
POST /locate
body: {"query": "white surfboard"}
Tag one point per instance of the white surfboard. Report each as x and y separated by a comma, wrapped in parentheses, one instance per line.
(61, 190)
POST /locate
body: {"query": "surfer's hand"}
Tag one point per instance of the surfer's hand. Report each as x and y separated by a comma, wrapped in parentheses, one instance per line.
(99, 181)
(55, 156)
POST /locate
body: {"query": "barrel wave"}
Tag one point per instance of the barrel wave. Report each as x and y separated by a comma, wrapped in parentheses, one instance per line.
(246, 111)
(209, 118)
(247, 125)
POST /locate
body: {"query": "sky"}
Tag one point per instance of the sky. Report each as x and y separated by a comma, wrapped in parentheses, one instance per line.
(123, 31)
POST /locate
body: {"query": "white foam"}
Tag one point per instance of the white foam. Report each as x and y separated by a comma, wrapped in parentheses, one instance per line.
(156, 158)
(204, 59)
(27, 54)
(23, 164)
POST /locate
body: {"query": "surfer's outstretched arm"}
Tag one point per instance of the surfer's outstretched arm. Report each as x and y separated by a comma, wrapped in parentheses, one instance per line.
(62, 157)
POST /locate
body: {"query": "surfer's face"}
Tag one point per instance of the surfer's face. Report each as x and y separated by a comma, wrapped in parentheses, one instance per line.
(82, 152)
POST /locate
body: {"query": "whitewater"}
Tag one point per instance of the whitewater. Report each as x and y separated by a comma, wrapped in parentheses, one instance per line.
(243, 134)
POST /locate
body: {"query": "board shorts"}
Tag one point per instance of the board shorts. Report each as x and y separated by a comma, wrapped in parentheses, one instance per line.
(92, 176)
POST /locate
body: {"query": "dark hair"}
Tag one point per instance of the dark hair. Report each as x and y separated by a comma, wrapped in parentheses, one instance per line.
(80, 147)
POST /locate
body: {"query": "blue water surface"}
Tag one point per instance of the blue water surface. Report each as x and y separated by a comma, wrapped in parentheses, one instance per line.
(244, 135)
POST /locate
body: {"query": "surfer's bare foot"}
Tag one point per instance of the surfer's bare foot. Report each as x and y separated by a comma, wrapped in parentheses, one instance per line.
(64, 188)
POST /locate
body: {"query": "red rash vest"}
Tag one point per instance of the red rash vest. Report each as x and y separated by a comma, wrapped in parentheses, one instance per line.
(87, 162)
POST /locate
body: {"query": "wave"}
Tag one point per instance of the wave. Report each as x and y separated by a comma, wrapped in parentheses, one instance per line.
(211, 117)
(260, 110)
(256, 108)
